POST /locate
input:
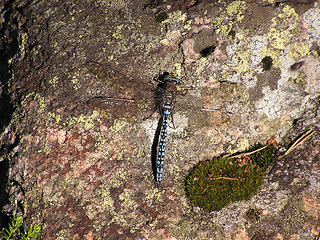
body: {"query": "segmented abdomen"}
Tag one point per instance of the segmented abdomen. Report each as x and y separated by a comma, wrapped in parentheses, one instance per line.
(162, 142)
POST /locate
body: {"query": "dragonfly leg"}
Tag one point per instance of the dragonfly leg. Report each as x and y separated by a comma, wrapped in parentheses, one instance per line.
(171, 116)
(147, 117)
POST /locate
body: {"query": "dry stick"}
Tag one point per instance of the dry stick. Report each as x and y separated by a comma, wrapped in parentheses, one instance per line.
(300, 140)
(223, 178)
(249, 153)
(238, 156)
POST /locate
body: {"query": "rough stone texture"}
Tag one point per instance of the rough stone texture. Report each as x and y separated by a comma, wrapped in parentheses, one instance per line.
(84, 175)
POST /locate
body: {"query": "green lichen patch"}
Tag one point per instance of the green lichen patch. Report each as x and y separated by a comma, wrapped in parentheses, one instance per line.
(214, 184)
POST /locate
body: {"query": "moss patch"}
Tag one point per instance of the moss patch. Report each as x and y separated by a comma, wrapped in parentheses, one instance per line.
(214, 184)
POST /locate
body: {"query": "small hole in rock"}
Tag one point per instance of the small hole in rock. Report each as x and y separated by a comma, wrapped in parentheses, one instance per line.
(207, 51)
(266, 63)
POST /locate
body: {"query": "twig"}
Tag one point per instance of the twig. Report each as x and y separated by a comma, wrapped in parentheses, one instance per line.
(223, 178)
(299, 141)
(248, 153)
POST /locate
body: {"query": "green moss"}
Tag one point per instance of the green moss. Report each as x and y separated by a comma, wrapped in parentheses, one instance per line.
(263, 158)
(214, 184)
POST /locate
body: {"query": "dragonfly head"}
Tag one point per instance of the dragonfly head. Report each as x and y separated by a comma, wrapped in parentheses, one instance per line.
(171, 77)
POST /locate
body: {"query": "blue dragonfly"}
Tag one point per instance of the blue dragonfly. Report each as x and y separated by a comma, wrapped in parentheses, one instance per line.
(131, 98)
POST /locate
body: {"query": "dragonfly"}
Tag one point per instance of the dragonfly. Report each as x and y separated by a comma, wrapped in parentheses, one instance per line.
(136, 99)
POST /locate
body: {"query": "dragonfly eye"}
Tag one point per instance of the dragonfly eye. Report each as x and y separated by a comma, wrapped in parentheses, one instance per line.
(171, 77)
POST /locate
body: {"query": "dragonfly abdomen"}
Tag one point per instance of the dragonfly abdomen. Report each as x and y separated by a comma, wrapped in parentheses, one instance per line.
(162, 142)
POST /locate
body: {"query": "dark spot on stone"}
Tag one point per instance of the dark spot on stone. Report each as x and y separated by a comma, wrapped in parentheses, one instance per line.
(207, 51)
(277, 4)
(232, 34)
(266, 63)
(162, 16)
(315, 47)
(297, 65)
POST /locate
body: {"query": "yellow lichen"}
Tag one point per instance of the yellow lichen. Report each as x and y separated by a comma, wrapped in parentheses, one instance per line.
(153, 194)
(301, 78)
(279, 34)
(87, 122)
(119, 125)
(178, 69)
(62, 234)
(140, 153)
(126, 197)
(243, 144)
(298, 50)
(180, 17)
(176, 16)
(175, 170)
(53, 81)
(119, 176)
(75, 80)
(173, 35)
(236, 9)
(278, 39)
(244, 62)
(233, 12)
(183, 134)
(202, 64)
(117, 33)
(188, 24)
(224, 30)
(22, 45)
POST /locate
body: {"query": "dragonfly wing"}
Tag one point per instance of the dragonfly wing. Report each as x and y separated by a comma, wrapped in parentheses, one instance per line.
(196, 106)
(200, 113)
(123, 108)
(122, 85)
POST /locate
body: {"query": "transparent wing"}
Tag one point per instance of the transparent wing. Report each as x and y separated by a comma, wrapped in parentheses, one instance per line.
(122, 85)
(129, 96)
(199, 111)
(123, 108)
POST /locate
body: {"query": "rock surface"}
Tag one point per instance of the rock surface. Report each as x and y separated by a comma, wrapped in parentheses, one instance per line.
(83, 174)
